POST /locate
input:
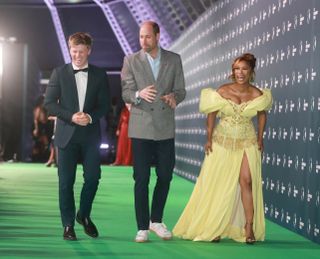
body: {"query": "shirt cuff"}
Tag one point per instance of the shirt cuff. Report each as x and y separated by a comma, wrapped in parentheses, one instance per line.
(90, 119)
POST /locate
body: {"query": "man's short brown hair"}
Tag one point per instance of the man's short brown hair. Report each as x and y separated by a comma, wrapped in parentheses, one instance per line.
(79, 38)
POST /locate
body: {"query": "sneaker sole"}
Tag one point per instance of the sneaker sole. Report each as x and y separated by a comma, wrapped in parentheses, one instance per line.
(163, 238)
(141, 241)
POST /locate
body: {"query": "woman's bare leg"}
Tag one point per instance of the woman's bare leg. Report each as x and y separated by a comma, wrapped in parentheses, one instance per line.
(246, 197)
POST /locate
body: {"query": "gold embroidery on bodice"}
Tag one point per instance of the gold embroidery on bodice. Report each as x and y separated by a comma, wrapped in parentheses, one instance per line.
(235, 131)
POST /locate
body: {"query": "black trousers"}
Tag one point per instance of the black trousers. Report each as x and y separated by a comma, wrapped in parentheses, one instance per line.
(80, 148)
(162, 154)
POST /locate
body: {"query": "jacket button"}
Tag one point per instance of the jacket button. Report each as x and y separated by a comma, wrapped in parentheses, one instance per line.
(151, 109)
(163, 108)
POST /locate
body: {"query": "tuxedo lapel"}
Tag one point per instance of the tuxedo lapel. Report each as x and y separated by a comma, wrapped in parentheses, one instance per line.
(90, 84)
(73, 87)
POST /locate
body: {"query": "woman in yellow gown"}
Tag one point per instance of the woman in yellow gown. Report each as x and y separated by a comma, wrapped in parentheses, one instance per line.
(227, 199)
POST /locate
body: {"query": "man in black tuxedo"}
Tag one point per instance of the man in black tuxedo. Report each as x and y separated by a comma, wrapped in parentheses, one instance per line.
(78, 94)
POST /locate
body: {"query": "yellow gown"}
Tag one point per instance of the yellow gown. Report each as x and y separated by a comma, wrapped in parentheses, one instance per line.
(215, 207)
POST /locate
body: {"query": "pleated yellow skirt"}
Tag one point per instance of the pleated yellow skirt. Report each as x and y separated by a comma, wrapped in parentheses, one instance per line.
(215, 207)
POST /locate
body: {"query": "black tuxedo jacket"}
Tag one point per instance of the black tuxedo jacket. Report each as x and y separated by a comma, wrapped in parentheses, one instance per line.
(61, 100)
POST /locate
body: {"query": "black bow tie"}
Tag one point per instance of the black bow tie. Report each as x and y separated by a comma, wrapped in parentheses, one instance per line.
(80, 70)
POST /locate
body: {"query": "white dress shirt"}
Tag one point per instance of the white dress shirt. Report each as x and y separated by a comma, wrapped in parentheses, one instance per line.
(81, 82)
(154, 63)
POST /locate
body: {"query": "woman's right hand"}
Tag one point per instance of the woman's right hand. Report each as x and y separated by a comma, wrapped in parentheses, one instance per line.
(208, 147)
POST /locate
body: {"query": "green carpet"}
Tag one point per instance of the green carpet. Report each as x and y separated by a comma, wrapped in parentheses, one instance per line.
(30, 223)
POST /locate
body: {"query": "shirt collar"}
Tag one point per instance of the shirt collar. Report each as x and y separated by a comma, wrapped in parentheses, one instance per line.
(76, 68)
(158, 54)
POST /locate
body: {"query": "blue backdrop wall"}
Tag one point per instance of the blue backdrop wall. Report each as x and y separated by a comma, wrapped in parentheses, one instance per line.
(284, 35)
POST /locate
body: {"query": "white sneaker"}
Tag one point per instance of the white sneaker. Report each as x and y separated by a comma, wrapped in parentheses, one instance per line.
(142, 236)
(160, 230)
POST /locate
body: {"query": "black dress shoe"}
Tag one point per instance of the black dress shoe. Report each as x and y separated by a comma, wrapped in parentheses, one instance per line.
(89, 228)
(69, 234)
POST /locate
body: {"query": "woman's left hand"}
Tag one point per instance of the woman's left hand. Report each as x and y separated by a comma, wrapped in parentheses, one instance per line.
(260, 144)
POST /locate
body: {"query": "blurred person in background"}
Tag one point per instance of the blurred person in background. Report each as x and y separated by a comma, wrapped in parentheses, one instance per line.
(42, 133)
(124, 154)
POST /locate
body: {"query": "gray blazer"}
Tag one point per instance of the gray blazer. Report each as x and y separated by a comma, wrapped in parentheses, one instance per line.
(154, 120)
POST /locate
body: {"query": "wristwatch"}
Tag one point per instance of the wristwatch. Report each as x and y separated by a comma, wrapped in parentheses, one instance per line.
(138, 98)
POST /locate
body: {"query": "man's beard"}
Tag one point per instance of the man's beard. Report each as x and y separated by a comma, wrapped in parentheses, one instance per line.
(147, 49)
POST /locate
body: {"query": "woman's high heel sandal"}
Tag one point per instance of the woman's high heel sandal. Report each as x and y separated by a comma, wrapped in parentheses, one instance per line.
(250, 239)
(216, 239)
(49, 163)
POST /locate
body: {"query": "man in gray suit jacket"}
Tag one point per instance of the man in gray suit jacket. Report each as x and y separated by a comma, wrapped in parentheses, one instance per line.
(153, 82)
(78, 94)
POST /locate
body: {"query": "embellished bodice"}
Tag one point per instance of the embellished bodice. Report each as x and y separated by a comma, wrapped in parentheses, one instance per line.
(235, 129)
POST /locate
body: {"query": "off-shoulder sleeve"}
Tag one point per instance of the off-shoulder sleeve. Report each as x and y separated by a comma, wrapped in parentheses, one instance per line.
(210, 101)
(265, 103)
(261, 103)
